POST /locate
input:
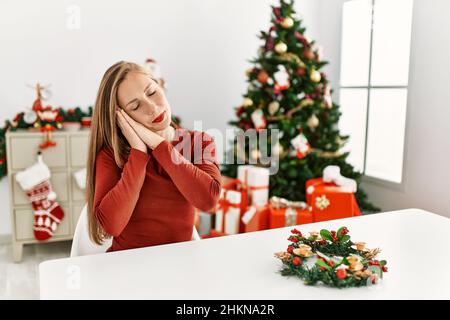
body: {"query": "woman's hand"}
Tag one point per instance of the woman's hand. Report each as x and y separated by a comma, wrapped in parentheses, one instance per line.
(131, 136)
(150, 138)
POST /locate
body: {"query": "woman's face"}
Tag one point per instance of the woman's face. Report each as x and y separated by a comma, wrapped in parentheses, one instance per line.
(144, 100)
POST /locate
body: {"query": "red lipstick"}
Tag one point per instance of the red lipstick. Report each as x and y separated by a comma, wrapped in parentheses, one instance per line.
(159, 118)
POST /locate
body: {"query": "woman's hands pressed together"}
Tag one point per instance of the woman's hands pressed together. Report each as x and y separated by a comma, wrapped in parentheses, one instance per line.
(132, 137)
(140, 135)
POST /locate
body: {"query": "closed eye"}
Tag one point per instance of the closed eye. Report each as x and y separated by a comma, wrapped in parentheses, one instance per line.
(149, 94)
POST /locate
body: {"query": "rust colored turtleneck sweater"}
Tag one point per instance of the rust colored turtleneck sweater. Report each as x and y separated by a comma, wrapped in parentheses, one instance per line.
(151, 200)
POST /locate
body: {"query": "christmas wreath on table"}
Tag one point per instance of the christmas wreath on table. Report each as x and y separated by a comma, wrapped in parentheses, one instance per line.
(331, 258)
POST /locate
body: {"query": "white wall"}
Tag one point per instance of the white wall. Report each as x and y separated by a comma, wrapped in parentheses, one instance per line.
(203, 47)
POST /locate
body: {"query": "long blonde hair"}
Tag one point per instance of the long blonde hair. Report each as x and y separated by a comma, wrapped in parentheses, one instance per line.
(105, 134)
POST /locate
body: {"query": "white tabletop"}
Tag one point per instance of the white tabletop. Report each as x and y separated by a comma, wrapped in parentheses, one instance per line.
(414, 242)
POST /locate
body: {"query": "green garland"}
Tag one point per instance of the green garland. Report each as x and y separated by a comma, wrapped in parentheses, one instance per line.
(339, 262)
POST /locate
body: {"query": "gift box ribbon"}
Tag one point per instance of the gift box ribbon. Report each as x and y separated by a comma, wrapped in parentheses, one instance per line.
(291, 206)
(225, 204)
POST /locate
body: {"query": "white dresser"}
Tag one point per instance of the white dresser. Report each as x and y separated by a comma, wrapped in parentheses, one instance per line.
(70, 155)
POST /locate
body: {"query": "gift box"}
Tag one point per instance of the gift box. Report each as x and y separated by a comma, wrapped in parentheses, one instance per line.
(228, 214)
(256, 181)
(330, 201)
(256, 218)
(285, 213)
(235, 185)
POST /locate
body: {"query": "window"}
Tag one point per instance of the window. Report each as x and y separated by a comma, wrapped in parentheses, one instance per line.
(376, 37)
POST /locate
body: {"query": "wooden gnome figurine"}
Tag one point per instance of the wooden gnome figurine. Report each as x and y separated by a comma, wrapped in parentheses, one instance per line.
(47, 117)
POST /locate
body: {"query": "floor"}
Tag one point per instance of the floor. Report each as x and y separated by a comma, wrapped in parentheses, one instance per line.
(21, 280)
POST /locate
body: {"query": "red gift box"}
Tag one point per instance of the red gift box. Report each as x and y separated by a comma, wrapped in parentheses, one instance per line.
(329, 201)
(285, 213)
(256, 218)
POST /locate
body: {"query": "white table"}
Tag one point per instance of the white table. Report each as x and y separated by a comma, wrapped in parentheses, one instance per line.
(415, 243)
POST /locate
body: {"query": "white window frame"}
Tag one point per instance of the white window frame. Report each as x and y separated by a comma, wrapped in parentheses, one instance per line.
(400, 186)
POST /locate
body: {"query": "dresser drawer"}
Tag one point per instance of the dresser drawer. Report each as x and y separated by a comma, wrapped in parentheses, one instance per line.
(78, 150)
(24, 152)
(59, 185)
(24, 218)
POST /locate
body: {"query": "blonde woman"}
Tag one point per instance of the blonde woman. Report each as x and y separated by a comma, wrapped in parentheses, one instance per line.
(145, 174)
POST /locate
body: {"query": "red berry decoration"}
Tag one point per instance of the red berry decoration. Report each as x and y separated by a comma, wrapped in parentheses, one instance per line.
(295, 231)
(341, 274)
(296, 261)
(290, 249)
(384, 268)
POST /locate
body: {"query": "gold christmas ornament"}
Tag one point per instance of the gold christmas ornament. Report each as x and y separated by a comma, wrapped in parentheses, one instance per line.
(315, 76)
(313, 121)
(306, 102)
(360, 246)
(273, 107)
(277, 149)
(281, 47)
(287, 23)
(303, 251)
(248, 102)
(352, 259)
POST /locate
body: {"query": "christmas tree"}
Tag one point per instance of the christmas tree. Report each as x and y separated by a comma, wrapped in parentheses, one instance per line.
(288, 92)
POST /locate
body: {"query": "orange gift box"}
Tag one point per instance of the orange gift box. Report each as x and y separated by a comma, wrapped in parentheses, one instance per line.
(284, 213)
(213, 234)
(256, 218)
(329, 201)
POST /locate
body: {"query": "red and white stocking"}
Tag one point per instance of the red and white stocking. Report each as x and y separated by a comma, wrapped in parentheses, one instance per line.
(35, 181)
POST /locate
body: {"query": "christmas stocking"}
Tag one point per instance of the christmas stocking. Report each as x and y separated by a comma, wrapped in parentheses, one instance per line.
(35, 181)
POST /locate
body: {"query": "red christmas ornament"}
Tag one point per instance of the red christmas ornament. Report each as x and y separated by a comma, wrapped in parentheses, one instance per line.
(341, 274)
(296, 261)
(301, 71)
(308, 54)
(263, 77)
